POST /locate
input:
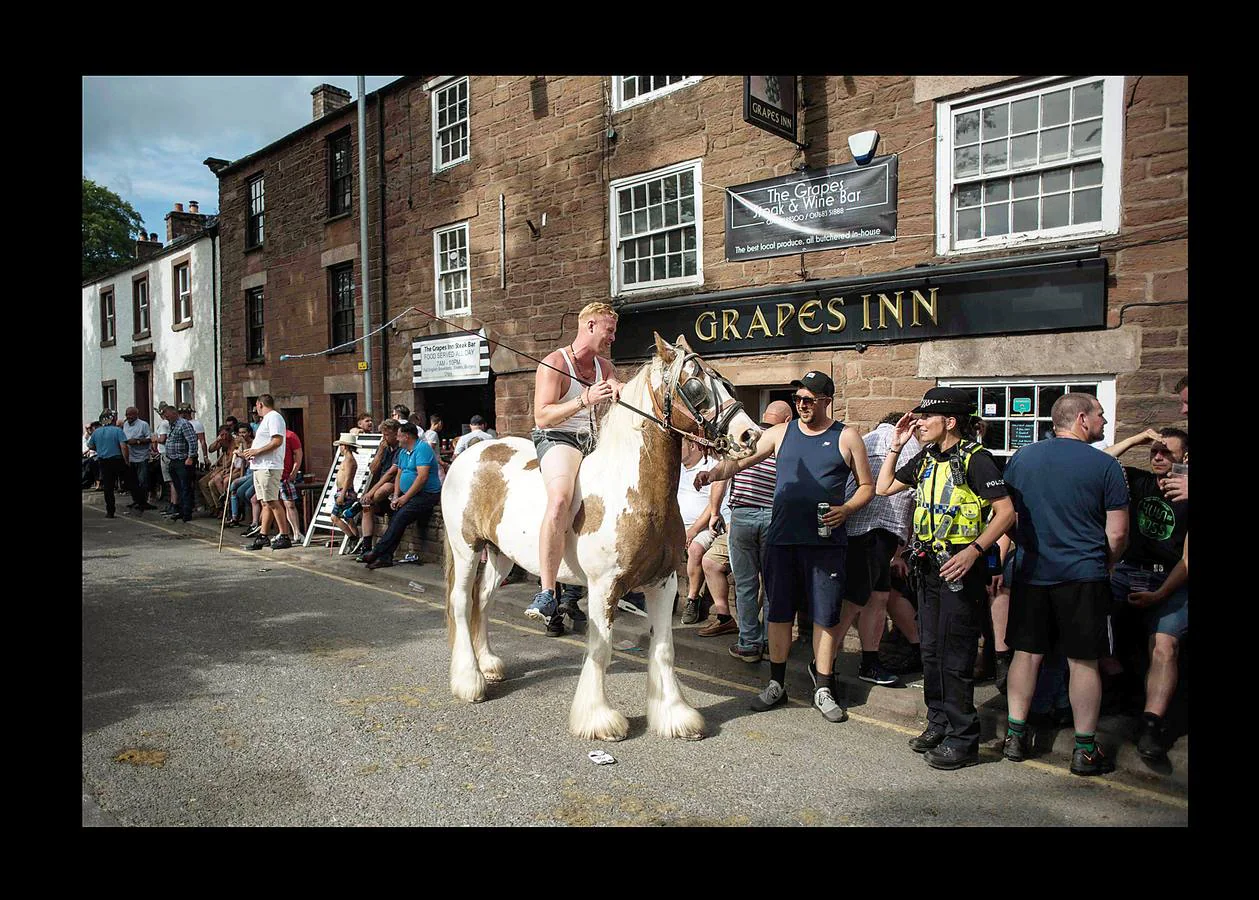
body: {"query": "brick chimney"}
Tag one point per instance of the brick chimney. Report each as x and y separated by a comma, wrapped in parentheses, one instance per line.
(327, 97)
(147, 248)
(180, 223)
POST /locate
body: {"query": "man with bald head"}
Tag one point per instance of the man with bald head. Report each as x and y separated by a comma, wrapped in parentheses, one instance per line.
(139, 437)
(751, 507)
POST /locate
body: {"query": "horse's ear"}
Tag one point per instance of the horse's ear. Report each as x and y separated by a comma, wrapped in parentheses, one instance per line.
(683, 344)
(663, 348)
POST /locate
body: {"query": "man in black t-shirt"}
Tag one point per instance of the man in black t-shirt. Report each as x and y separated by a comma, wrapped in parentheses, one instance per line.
(1153, 575)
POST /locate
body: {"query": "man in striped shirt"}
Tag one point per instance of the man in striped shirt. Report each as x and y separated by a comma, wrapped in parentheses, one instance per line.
(876, 534)
(181, 450)
(751, 507)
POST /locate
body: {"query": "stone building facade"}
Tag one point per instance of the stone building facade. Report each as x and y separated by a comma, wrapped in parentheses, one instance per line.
(510, 202)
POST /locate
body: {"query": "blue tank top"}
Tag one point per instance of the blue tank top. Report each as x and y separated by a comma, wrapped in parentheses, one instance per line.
(811, 470)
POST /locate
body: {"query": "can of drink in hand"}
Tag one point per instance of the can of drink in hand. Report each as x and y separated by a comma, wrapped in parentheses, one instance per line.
(823, 530)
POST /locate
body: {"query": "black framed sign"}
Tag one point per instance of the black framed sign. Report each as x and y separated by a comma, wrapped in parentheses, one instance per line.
(1051, 296)
(769, 102)
(820, 209)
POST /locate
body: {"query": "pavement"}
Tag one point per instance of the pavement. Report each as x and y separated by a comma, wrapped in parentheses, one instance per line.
(902, 703)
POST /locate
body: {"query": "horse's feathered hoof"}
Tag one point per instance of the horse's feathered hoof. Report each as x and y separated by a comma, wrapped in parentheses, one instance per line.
(605, 725)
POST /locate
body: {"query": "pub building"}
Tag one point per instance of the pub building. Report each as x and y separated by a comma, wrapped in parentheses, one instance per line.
(1023, 236)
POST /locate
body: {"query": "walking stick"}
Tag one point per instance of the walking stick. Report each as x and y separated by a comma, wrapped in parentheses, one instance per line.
(223, 524)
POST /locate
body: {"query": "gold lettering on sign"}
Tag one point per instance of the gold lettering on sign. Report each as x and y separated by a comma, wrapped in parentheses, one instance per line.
(916, 299)
(865, 312)
(785, 312)
(895, 309)
(758, 321)
(840, 321)
(729, 317)
(808, 312)
(706, 331)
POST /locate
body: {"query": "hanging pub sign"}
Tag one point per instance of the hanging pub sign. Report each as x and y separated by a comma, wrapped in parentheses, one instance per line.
(769, 102)
(839, 206)
(448, 360)
(904, 306)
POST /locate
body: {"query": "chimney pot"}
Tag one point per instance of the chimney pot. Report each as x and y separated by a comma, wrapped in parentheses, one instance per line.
(179, 207)
(192, 206)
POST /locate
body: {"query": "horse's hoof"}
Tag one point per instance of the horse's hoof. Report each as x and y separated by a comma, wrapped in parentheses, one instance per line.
(493, 670)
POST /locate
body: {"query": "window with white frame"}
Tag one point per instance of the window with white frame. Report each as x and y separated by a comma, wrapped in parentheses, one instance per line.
(1017, 410)
(183, 293)
(656, 230)
(450, 255)
(450, 124)
(1031, 164)
(630, 90)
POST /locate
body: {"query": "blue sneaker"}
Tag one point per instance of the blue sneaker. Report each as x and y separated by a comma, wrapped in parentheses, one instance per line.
(543, 607)
(634, 602)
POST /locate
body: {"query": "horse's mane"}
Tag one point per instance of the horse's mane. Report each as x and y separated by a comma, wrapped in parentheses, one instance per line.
(619, 420)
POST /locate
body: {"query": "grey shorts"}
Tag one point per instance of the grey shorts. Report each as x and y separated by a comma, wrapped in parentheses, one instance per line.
(546, 438)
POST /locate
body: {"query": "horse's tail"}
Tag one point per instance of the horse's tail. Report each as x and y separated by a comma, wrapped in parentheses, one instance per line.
(474, 614)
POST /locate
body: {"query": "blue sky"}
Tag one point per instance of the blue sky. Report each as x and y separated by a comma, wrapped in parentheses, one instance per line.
(144, 137)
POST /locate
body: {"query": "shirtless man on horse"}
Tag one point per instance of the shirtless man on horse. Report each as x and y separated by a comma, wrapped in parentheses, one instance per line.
(564, 416)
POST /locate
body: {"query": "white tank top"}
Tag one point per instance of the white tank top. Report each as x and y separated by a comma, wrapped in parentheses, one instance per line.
(580, 420)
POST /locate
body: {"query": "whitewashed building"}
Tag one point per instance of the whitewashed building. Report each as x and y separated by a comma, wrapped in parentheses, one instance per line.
(151, 331)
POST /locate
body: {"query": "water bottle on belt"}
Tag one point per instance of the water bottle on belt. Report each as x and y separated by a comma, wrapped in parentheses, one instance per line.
(942, 555)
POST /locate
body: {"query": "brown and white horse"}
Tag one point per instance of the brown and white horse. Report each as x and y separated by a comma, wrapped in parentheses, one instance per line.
(627, 533)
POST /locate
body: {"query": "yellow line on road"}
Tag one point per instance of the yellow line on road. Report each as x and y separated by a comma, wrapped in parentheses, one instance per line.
(1037, 765)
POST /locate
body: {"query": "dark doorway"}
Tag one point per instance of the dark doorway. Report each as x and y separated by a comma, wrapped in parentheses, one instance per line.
(456, 405)
(293, 421)
(141, 395)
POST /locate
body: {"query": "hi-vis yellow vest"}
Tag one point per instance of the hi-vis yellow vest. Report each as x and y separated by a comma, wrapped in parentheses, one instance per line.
(946, 507)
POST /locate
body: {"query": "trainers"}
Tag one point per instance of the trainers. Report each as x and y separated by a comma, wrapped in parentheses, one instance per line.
(876, 674)
(773, 695)
(555, 625)
(690, 612)
(543, 606)
(253, 530)
(281, 542)
(747, 654)
(1015, 748)
(824, 702)
(1095, 763)
(634, 602)
(1152, 743)
(259, 542)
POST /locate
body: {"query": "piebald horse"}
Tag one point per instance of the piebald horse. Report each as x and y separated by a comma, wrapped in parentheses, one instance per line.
(626, 533)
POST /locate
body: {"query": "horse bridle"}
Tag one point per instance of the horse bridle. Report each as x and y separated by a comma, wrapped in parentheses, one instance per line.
(699, 399)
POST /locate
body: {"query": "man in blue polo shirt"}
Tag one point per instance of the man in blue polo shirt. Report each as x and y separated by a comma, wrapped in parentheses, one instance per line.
(417, 493)
(108, 441)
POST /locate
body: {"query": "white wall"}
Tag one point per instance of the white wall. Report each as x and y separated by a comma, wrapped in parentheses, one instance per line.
(191, 349)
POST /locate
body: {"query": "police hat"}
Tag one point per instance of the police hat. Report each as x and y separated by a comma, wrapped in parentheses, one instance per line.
(944, 401)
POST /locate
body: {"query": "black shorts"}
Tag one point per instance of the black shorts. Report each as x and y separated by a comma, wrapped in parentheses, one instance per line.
(870, 564)
(809, 577)
(1069, 618)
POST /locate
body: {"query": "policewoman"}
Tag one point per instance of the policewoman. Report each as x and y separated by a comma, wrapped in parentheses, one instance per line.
(957, 488)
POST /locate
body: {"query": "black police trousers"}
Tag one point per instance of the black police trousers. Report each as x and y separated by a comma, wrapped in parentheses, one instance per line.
(949, 623)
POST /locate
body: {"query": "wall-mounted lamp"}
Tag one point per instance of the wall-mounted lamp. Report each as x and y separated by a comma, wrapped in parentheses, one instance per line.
(863, 145)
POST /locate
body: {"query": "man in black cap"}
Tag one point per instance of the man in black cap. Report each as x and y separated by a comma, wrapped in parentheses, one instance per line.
(805, 552)
(957, 482)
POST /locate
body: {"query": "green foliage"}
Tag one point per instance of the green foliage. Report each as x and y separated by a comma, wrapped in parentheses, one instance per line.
(110, 226)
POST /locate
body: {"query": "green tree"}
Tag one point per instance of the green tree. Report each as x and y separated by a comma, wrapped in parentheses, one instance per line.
(110, 226)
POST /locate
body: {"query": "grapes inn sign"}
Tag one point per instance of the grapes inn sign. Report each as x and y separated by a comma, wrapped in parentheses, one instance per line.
(1013, 296)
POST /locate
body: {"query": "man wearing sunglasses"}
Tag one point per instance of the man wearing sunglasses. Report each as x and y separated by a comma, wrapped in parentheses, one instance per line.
(803, 568)
(1152, 579)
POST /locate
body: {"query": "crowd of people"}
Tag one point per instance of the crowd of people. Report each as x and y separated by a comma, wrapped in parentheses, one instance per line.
(1072, 567)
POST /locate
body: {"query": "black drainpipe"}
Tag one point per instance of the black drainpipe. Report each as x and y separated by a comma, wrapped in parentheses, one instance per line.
(384, 270)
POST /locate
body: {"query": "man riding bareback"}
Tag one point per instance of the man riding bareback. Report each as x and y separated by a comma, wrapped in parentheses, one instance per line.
(564, 416)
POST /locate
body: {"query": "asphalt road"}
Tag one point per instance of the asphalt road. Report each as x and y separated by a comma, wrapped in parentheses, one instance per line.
(295, 689)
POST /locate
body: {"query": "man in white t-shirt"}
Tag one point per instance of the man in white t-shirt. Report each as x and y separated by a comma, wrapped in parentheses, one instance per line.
(187, 412)
(266, 460)
(696, 508)
(160, 433)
